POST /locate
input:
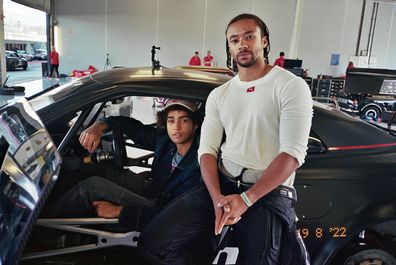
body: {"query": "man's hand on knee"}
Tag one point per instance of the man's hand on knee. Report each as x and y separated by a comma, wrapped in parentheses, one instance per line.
(106, 209)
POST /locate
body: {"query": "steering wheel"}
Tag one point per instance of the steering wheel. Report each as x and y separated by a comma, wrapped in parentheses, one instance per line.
(119, 149)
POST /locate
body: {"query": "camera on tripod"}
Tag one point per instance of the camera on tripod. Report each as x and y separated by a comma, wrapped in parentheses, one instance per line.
(107, 64)
(156, 63)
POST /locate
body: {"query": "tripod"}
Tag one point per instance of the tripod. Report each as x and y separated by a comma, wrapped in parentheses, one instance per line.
(107, 64)
(156, 63)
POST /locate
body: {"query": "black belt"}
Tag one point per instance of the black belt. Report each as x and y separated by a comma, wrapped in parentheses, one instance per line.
(281, 190)
(237, 180)
(286, 191)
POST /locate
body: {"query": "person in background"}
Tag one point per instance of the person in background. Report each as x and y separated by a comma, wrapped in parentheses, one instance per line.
(281, 60)
(208, 59)
(195, 60)
(350, 66)
(54, 56)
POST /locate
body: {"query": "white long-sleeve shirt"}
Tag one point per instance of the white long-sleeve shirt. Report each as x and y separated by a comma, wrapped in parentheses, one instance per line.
(261, 119)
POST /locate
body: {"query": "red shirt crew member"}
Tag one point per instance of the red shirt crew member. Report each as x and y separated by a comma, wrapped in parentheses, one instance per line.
(195, 60)
(54, 56)
(281, 60)
(208, 59)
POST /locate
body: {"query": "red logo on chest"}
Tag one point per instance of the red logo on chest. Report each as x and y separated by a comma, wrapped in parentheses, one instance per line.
(250, 89)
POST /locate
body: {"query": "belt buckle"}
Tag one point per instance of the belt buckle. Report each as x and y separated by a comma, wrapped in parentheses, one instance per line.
(238, 183)
(287, 193)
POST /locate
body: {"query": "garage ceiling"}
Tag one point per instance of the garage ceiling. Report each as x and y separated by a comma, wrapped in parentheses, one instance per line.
(43, 5)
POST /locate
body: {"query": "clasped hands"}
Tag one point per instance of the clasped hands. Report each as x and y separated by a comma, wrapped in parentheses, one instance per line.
(228, 211)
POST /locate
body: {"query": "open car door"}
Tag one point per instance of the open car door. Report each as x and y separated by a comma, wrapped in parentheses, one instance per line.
(30, 165)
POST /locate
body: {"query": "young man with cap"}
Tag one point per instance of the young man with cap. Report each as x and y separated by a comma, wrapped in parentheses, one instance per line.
(175, 168)
(265, 113)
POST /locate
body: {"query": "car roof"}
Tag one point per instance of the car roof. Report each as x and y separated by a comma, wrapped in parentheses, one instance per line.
(332, 126)
(166, 82)
(217, 70)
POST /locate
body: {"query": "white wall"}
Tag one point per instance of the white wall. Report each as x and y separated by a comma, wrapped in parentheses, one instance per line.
(384, 44)
(128, 28)
(390, 53)
(80, 34)
(328, 27)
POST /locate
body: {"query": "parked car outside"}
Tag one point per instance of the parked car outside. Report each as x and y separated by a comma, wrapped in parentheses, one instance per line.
(14, 61)
(346, 200)
(24, 54)
(40, 54)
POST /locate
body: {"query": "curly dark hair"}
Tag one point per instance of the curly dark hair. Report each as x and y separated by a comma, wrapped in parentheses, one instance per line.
(196, 117)
(264, 33)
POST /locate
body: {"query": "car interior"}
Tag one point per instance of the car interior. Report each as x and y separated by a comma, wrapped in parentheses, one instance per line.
(114, 153)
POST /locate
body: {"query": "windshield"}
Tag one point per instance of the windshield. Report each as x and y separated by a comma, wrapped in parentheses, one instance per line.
(42, 100)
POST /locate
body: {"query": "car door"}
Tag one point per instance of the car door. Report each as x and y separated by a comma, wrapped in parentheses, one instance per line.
(30, 167)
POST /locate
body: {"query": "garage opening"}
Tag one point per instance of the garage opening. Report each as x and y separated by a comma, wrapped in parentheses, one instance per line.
(25, 33)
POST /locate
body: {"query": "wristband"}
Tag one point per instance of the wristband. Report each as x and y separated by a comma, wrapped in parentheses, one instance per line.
(246, 199)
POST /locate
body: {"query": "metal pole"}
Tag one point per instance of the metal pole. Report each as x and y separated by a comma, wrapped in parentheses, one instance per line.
(3, 63)
(295, 38)
(360, 28)
(49, 41)
(371, 29)
(376, 5)
(52, 24)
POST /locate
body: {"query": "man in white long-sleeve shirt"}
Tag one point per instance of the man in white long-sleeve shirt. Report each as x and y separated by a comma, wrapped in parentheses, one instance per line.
(265, 113)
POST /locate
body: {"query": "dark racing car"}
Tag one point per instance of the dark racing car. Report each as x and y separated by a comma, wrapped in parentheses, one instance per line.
(346, 199)
(364, 105)
(14, 61)
(368, 92)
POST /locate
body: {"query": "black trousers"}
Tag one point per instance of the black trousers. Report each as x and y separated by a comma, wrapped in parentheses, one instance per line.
(123, 189)
(54, 67)
(259, 233)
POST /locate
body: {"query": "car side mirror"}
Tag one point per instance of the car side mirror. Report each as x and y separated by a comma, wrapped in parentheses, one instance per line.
(315, 146)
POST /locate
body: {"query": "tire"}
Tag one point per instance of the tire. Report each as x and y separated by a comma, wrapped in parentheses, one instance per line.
(25, 66)
(12, 66)
(372, 112)
(371, 257)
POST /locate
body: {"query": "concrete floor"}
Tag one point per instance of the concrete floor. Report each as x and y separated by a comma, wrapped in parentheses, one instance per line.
(33, 72)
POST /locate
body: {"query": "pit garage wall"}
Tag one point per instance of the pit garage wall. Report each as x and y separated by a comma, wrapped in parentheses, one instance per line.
(332, 27)
(132, 29)
(126, 29)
